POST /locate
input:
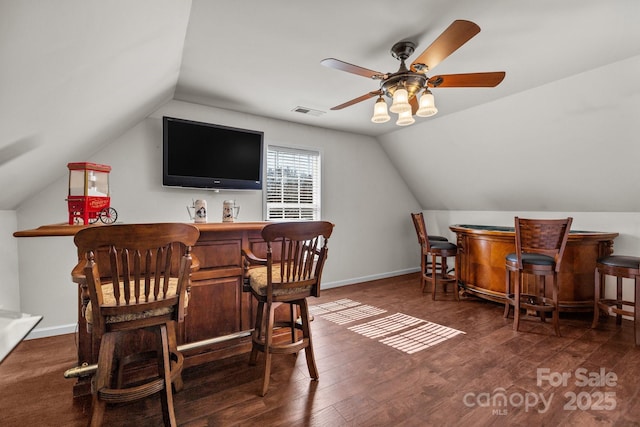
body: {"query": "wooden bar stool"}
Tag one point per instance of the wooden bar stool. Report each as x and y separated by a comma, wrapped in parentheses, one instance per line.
(540, 245)
(418, 219)
(290, 273)
(621, 267)
(138, 278)
(433, 261)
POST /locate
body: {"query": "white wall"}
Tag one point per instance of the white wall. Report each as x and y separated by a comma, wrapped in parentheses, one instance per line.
(363, 195)
(9, 289)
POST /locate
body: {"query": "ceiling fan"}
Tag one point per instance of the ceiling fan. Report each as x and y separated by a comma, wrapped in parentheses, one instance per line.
(404, 85)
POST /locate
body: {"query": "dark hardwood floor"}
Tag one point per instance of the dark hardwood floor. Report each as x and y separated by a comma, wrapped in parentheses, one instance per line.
(489, 375)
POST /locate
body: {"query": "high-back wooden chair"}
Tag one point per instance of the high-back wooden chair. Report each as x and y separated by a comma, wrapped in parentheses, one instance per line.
(540, 245)
(291, 272)
(137, 276)
(433, 258)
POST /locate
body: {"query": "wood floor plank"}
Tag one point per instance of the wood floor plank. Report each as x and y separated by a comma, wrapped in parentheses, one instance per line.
(480, 378)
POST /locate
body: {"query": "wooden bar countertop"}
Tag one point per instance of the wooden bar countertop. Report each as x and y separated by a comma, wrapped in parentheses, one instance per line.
(64, 229)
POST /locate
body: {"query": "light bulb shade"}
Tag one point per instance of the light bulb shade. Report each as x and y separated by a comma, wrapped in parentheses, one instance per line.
(400, 101)
(405, 118)
(380, 114)
(427, 105)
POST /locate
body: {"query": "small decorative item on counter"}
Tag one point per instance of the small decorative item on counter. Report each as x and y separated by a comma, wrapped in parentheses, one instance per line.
(199, 215)
(230, 211)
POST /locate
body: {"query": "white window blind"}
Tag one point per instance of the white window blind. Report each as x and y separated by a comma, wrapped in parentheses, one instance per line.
(293, 184)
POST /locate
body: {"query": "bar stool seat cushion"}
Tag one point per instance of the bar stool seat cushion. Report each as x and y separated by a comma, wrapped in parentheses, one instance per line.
(442, 245)
(532, 259)
(621, 261)
(258, 281)
(110, 300)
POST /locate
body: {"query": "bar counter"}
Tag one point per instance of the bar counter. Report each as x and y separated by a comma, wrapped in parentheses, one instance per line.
(481, 263)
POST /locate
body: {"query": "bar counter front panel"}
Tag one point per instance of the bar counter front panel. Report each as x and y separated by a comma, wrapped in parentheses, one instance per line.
(481, 263)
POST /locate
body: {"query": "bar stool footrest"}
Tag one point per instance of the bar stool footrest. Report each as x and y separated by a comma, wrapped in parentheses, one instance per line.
(536, 302)
(611, 307)
(443, 278)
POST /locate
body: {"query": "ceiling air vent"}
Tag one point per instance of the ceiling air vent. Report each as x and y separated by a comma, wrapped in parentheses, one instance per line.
(308, 111)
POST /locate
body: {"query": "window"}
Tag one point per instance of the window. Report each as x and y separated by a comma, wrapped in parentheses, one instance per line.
(293, 184)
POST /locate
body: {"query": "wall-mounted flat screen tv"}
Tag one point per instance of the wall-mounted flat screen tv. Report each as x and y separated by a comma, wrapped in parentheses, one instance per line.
(205, 155)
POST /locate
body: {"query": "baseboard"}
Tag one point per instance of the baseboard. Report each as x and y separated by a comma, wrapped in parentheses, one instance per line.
(352, 281)
(52, 331)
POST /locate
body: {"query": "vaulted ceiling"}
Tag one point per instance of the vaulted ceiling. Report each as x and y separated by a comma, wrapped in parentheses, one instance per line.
(75, 74)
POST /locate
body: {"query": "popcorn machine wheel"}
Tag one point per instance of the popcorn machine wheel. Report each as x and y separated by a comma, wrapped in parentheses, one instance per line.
(88, 199)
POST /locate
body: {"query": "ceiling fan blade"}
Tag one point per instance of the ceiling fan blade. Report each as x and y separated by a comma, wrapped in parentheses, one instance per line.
(491, 79)
(457, 34)
(414, 105)
(358, 99)
(350, 68)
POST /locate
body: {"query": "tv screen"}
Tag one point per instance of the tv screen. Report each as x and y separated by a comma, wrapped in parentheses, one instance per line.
(205, 155)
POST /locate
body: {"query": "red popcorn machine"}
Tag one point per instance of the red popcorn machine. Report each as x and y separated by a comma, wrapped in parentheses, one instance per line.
(89, 199)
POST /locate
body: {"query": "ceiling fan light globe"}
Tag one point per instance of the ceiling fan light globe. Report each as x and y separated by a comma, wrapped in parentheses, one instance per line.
(380, 114)
(427, 106)
(400, 101)
(405, 119)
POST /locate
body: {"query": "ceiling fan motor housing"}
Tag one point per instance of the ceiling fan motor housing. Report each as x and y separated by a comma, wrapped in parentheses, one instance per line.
(411, 81)
(404, 77)
(402, 50)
